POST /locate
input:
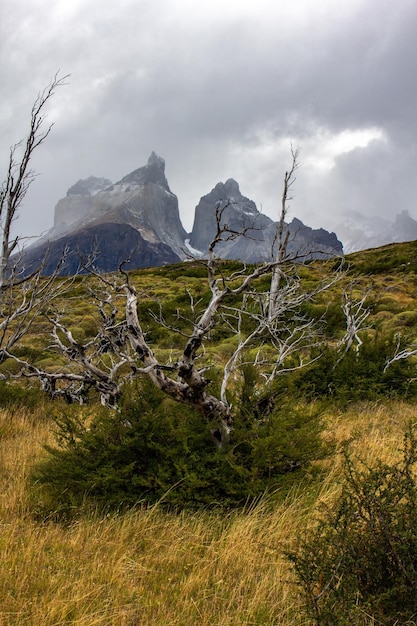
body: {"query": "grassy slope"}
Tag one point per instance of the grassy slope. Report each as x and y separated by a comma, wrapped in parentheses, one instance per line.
(390, 272)
(149, 567)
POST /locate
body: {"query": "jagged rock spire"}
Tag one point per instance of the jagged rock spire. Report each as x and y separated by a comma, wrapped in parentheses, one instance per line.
(152, 172)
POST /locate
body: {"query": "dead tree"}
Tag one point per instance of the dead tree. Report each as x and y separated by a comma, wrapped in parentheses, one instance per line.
(288, 332)
(356, 313)
(400, 354)
(22, 295)
(280, 244)
(274, 315)
(120, 350)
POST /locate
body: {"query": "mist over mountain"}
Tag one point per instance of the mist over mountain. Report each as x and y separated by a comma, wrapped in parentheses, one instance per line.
(137, 218)
(360, 232)
(142, 200)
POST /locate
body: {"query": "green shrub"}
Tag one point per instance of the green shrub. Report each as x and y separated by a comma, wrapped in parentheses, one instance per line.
(20, 395)
(89, 325)
(354, 376)
(405, 319)
(158, 449)
(396, 257)
(332, 313)
(10, 367)
(361, 561)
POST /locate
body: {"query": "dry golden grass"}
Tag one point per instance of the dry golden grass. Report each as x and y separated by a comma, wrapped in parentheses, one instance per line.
(148, 567)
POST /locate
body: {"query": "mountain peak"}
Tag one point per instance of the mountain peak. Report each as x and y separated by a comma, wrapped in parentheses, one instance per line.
(88, 186)
(152, 172)
(229, 189)
(156, 161)
(232, 187)
(242, 216)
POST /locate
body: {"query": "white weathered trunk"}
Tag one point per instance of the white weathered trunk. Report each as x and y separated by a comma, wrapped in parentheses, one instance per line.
(191, 389)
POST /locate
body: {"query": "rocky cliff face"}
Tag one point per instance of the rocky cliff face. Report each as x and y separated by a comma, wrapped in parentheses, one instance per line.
(257, 245)
(240, 212)
(78, 203)
(136, 218)
(142, 199)
(109, 244)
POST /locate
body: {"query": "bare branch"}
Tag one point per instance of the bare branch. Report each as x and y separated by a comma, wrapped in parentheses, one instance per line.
(19, 176)
(400, 354)
(356, 315)
(23, 294)
(282, 235)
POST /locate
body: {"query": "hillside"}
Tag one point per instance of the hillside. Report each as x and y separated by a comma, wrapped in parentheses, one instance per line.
(101, 564)
(387, 275)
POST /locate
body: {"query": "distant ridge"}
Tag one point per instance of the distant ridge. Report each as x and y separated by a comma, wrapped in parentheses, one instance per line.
(359, 232)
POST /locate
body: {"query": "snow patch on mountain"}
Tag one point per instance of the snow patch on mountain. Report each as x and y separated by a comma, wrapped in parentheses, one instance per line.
(360, 232)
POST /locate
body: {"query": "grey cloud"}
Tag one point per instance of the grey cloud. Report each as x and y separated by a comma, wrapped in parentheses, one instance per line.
(206, 89)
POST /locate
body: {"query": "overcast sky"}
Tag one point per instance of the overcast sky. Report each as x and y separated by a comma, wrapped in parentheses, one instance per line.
(220, 89)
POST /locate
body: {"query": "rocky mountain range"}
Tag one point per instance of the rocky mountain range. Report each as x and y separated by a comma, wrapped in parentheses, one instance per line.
(360, 232)
(138, 218)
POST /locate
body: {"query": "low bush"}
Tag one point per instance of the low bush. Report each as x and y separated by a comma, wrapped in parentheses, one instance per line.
(354, 376)
(395, 258)
(20, 395)
(360, 563)
(157, 449)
